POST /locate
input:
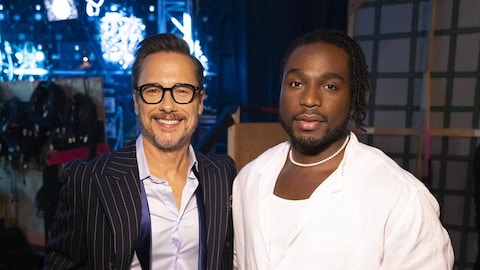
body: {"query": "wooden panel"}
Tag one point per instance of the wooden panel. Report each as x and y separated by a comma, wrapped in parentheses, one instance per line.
(248, 140)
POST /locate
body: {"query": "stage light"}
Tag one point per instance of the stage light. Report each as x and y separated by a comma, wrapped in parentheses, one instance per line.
(186, 28)
(37, 16)
(29, 63)
(151, 17)
(93, 8)
(59, 10)
(114, 8)
(39, 56)
(119, 35)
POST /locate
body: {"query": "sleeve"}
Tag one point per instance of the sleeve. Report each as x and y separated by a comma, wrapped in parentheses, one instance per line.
(66, 246)
(231, 172)
(414, 235)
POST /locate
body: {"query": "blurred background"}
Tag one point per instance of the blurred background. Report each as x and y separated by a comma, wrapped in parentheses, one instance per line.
(70, 60)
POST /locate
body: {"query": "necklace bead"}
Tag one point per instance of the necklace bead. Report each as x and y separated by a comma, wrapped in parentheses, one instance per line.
(305, 165)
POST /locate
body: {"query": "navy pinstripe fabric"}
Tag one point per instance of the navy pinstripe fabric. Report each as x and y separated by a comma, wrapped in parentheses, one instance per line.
(97, 220)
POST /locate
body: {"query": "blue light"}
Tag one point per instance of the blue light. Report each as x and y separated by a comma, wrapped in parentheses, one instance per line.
(119, 34)
(37, 16)
(186, 29)
(58, 10)
(61, 9)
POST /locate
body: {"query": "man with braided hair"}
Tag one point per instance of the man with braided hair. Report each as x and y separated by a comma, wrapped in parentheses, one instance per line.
(322, 199)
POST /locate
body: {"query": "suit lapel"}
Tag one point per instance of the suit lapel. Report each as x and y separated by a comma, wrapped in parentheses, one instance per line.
(217, 207)
(202, 224)
(118, 189)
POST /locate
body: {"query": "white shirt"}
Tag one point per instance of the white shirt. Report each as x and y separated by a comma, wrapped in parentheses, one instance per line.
(285, 214)
(368, 214)
(175, 233)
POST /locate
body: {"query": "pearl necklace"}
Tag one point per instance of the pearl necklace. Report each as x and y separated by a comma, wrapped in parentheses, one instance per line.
(321, 161)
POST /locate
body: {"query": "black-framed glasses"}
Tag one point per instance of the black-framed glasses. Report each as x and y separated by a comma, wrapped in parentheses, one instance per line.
(182, 93)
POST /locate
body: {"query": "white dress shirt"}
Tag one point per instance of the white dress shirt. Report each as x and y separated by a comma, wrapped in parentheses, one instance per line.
(175, 232)
(368, 214)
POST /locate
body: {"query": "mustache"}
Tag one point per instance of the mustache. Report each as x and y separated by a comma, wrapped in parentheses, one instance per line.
(310, 115)
(167, 116)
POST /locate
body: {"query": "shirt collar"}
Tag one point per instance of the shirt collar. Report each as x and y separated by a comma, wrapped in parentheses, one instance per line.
(144, 171)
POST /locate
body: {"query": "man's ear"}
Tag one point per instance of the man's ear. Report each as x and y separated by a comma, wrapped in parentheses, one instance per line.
(135, 102)
(201, 99)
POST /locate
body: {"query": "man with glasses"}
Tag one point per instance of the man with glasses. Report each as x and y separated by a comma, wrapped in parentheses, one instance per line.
(157, 203)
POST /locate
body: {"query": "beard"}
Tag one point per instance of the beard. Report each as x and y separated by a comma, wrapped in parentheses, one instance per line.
(166, 144)
(309, 145)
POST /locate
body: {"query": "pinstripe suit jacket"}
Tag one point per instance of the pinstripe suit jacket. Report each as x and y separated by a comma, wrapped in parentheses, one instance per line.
(97, 221)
